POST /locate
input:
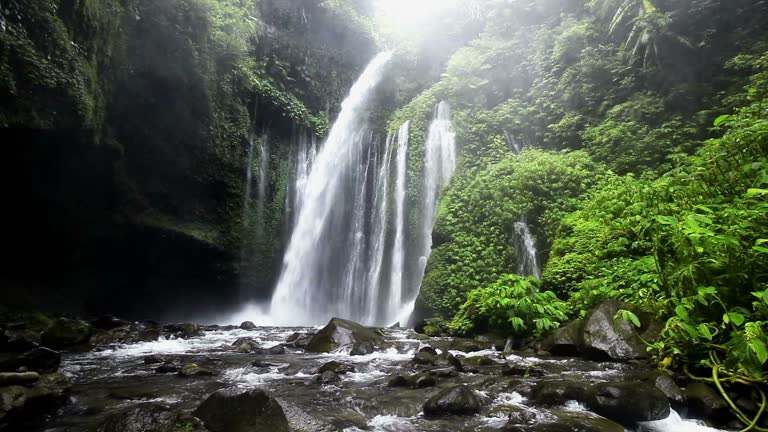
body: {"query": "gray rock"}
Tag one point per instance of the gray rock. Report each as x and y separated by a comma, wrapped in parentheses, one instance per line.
(37, 399)
(628, 403)
(193, 370)
(424, 358)
(150, 418)
(274, 350)
(344, 334)
(153, 359)
(704, 401)
(235, 410)
(556, 392)
(168, 367)
(467, 345)
(184, 330)
(428, 349)
(566, 340)
(459, 400)
(566, 421)
(337, 367)
(523, 371)
(328, 377)
(299, 340)
(607, 339)
(247, 325)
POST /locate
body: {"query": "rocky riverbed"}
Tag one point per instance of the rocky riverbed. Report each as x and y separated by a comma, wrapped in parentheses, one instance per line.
(193, 378)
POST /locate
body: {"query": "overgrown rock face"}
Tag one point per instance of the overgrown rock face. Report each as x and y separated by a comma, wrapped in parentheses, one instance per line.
(242, 411)
(342, 334)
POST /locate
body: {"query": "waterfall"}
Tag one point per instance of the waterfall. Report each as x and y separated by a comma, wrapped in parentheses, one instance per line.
(398, 249)
(527, 262)
(263, 167)
(314, 284)
(512, 142)
(439, 163)
(306, 149)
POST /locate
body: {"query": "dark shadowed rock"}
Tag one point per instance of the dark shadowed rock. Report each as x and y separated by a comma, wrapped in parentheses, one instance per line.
(704, 401)
(41, 360)
(478, 361)
(153, 359)
(151, 418)
(328, 377)
(425, 380)
(247, 325)
(522, 370)
(606, 338)
(66, 333)
(235, 410)
(468, 345)
(133, 333)
(299, 340)
(399, 381)
(424, 358)
(108, 322)
(168, 367)
(459, 400)
(184, 330)
(345, 334)
(557, 392)
(18, 378)
(428, 349)
(447, 359)
(274, 350)
(566, 340)
(334, 366)
(33, 400)
(566, 421)
(628, 403)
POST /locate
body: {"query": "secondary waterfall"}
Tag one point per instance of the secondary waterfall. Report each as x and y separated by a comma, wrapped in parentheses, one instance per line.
(315, 284)
(263, 167)
(306, 150)
(398, 249)
(439, 164)
(528, 264)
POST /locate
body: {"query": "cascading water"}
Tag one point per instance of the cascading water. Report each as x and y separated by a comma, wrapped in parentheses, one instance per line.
(306, 149)
(398, 249)
(313, 282)
(439, 164)
(528, 264)
(263, 167)
(512, 142)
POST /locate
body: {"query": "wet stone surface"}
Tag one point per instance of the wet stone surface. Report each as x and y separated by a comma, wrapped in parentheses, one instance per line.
(327, 391)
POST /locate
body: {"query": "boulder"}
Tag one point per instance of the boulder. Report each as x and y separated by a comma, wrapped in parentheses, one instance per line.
(566, 421)
(66, 333)
(328, 377)
(299, 340)
(425, 380)
(336, 367)
(168, 367)
(628, 403)
(556, 392)
(41, 360)
(566, 340)
(35, 400)
(522, 370)
(459, 400)
(606, 338)
(424, 358)
(235, 410)
(184, 330)
(704, 401)
(274, 350)
(247, 325)
(150, 418)
(342, 334)
(193, 371)
(433, 327)
(428, 349)
(447, 359)
(133, 333)
(468, 345)
(153, 359)
(479, 361)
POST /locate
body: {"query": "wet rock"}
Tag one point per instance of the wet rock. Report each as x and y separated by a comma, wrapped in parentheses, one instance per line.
(522, 370)
(447, 359)
(245, 344)
(184, 330)
(151, 418)
(399, 381)
(444, 372)
(153, 359)
(628, 403)
(558, 392)
(344, 334)
(134, 393)
(428, 349)
(424, 358)
(704, 401)
(18, 378)
(235, 410)
(193, 371)
(607, 339)
(108, 322)
(263, 364)
(362, 348)
(459, 400)
(478, 361)
(664, 382)
(275, 350)
(299, 340)
(19, 341)
(467, 345)
(66, 333)
(565, 421)
(133, 333)
(300, 421)
(336, 367)
(22, 403)
(433, 327)
(425, 380)
(328, 377)
(247, 325)
(41, 360)
(566, 340)
(168, 367)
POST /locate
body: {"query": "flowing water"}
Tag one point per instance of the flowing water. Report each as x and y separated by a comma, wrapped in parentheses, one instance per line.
(398, 250)
(314, 283)
(116, 378)
(528, 264)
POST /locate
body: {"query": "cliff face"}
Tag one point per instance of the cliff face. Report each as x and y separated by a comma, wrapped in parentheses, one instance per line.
(128, 130)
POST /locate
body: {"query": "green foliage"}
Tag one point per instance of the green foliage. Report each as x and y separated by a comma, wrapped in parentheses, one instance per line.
(475, 227)
(511, 305)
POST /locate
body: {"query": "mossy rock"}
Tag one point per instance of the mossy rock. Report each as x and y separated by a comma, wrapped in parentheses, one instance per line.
(341, 334)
